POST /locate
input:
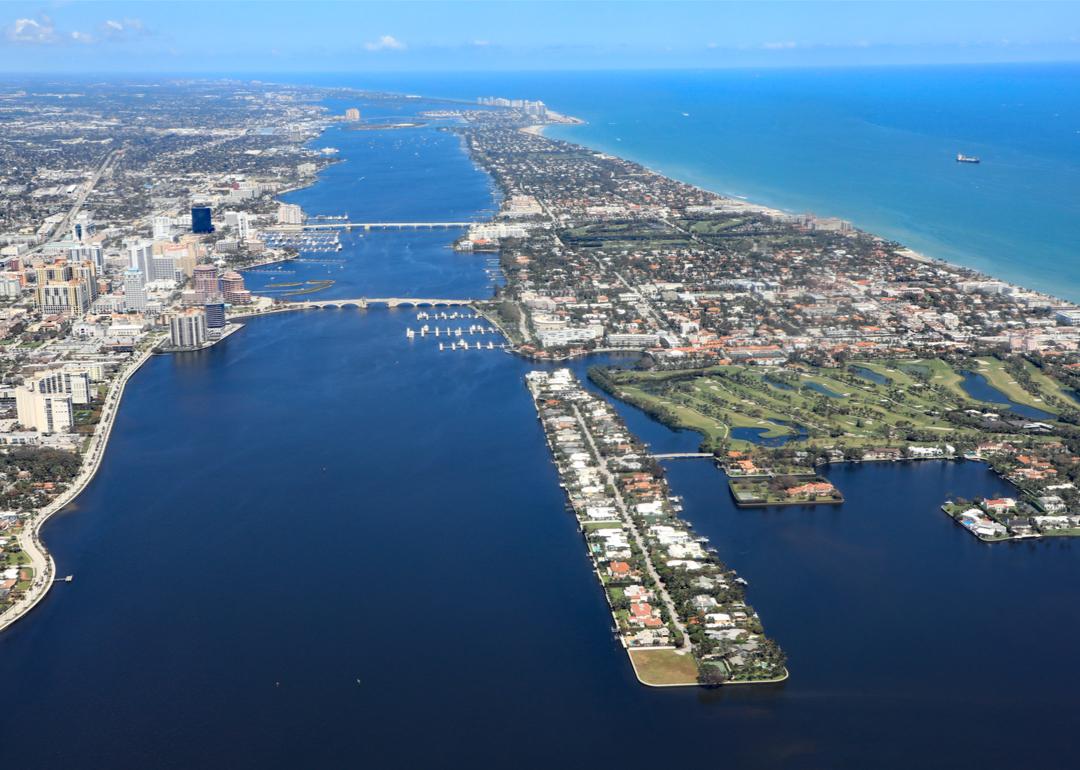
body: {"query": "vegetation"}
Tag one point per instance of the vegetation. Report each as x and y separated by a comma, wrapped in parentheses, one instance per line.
(868, 404)
(664, 667)
(30, 474)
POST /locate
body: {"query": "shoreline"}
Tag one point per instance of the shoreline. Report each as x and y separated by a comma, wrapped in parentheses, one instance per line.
(561, 403)
(95, 450)
(774, 211)
(30, 537)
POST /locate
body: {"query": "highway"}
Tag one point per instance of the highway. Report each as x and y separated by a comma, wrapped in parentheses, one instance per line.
(65, 223)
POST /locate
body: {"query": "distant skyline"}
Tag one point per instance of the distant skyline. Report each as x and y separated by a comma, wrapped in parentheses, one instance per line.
(200, 36)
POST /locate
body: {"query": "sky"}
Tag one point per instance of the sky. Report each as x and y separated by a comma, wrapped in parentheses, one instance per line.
(192, 36)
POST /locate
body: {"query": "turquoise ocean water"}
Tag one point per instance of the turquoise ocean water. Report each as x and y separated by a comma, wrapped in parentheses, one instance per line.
(875, 146)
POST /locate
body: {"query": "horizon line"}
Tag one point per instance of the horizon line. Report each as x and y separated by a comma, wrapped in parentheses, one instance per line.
(443, 71)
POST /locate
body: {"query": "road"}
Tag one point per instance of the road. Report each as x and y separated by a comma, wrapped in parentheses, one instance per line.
(65, 223)
(30, 537)
(609, 478)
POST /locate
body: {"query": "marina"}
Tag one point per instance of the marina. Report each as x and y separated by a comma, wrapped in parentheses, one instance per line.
(308, 242)
(449, 331)
(464, 345)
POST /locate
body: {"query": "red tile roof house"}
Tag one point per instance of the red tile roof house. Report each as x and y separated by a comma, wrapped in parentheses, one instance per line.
(640, 612)
(619, 569)
(999, 504)
(812, 489)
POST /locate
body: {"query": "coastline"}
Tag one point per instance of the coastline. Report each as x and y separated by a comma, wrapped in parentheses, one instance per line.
(41, 559)
(30, 537)
(775, 211)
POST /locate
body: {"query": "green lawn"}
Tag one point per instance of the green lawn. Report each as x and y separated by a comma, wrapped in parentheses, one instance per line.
(715, 399)
(995, 373)
(664, 667)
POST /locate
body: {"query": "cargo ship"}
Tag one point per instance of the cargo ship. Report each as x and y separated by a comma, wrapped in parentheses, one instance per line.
(962, 158)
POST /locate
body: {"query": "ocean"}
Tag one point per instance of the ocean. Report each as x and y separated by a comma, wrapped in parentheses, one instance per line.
(876, 146)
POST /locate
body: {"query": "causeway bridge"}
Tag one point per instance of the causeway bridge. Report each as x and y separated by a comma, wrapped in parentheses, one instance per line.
(315, 226)
(684, 455)
(363, 302)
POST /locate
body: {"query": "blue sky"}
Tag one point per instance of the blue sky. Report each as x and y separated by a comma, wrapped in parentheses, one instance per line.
(195, 36)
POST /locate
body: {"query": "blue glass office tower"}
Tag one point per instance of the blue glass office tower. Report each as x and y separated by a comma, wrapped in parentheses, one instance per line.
(215, 315)
(200, 220)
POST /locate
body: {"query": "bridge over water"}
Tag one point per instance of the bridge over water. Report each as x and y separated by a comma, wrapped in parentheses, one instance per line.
(684, 455)
(313, 226)
(363, 302)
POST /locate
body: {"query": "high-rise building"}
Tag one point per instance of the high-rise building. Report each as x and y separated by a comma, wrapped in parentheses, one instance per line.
(134, 293)
(72, 383)
(139, 256)
(201, 221)
(65, 288)
(352, 114)
(215, 316)
(91, 252)
(232, 287)
(204, 279)
(183, 254)
(290, 214)
(83, 226)
(187, 329)
(44, 412)
(163, 228)
(240, 221)
(163, 267)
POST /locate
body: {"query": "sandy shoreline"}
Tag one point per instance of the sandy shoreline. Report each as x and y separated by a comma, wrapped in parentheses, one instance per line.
(748, 205)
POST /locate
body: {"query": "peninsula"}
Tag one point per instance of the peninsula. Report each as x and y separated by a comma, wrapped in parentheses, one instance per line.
(788, 341)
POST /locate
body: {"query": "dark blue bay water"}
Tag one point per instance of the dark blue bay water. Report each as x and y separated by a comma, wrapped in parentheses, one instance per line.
(318, 501)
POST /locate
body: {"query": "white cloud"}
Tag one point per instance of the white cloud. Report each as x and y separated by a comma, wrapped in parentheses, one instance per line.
(39, 31)
(122, 29)
(782, 46)
(385, 43)
(481, 43)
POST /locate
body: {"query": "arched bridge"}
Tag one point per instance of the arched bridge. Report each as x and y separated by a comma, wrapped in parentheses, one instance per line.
(315, 226)
(363, 302)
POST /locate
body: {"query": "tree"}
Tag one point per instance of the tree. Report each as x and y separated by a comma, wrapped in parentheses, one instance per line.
(711, 675)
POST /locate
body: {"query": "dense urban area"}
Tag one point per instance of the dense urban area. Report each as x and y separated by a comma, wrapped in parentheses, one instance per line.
(126, 212)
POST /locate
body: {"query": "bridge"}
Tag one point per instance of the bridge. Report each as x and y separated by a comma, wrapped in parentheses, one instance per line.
(363, 302)
(684, 455)
(314, 226)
